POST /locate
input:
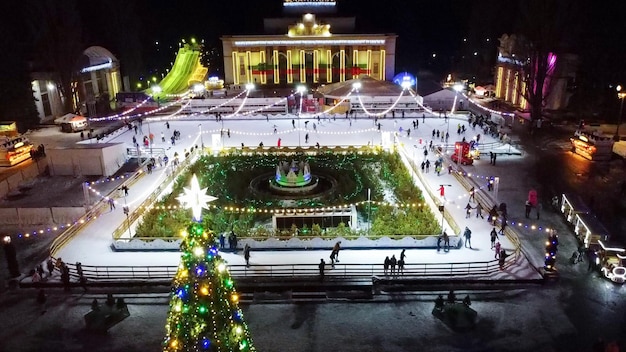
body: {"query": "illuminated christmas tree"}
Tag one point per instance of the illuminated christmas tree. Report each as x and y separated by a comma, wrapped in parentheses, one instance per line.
(204, 312)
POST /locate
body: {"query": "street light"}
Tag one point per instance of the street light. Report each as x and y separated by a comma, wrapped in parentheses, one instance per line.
(249, 86)
(369, 205)
(620, 95)
(301, 89)
(201, 140)
(156, 90)
(457, 88)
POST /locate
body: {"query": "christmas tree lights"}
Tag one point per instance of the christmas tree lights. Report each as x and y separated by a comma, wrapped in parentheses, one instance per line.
(204, 312)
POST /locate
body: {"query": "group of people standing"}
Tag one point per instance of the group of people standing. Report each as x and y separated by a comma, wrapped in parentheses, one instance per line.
(389, 265)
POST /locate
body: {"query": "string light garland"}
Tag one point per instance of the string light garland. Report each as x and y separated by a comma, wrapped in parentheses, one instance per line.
(245, 99)
(343, 99)
(147, 113)
(268, 106)
(383, 112)
(428, 110)
(503, 113)
(222, 104)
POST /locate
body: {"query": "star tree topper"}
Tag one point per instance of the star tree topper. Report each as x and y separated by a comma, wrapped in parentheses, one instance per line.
(195, 198)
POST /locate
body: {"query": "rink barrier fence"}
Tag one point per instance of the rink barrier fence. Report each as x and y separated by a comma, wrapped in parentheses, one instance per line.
(164, 274)
(96, 210)
(134, 215)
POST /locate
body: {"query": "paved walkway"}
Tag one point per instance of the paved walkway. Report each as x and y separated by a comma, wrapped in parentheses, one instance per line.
(93, 245)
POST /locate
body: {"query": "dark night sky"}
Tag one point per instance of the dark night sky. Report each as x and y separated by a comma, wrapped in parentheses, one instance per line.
(423, 27)
(130, 28)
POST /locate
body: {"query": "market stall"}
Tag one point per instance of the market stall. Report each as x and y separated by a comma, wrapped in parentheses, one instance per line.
(14, 150)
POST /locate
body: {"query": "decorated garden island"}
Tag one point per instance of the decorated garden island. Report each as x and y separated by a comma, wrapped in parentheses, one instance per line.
(303, 198)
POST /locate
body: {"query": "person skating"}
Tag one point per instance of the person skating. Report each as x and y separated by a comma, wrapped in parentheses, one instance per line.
(502, 258)
(479, 210)
(497, 248)
(472, 192)
(527, 207)
(333, 258)
(392, 264)
(400, 266)
(468, 237)
(446, 241)
(336, 249)
(246, 254)
(494, 237)
(468, 210)
(386, 265)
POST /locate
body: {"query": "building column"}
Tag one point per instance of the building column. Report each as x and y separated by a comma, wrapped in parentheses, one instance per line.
(276, 66)
(369, 62)
(382, 70)
(248, 65)
(355, 63)
(329, 66)
(289, 68)
(342, 65)
(235, 56)
(316, 66)
(263, 65)
(302, 66)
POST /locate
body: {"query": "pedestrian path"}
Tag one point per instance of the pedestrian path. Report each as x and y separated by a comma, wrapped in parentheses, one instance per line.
(93, 245)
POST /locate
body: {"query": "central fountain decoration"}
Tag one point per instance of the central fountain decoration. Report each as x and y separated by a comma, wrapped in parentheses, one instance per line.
(293, 178)
(292, 181)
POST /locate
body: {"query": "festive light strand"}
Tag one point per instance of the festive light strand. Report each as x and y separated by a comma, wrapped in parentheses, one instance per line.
(486, 108)
(268, 106)
(428, 110)
(343, 99)
(220, 105)
(380, 113)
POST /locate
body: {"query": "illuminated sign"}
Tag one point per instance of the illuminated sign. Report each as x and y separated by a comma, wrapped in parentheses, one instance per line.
(311, 42)
(290, 3)
(97, 67)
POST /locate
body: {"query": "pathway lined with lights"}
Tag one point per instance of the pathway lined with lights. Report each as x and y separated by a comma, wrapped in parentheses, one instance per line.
(92, 246)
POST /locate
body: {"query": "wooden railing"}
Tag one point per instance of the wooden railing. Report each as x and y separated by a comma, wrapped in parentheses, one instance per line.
(96, 210)
(138, 212)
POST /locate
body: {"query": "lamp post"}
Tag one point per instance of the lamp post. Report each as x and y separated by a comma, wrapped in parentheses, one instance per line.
(457, 88)
(369, 211)
(620, 95)
(156, 90)
(301, 90)
(201, 139)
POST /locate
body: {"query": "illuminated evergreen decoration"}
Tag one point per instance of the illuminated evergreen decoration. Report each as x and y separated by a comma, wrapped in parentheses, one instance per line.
(204, 313)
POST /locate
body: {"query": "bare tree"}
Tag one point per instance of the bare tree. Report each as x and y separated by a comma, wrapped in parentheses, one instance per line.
(544, 25)
(56, 28)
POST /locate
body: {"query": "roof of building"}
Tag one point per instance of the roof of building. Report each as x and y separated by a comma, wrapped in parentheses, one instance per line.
(369, 87)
